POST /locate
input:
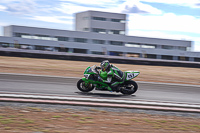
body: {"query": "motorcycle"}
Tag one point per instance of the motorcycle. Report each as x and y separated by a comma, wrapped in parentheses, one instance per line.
(90, 81)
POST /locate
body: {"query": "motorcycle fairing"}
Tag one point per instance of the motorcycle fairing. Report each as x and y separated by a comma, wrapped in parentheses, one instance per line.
(131, 74)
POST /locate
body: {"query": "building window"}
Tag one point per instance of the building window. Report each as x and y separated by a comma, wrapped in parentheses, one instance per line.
(24, 35)
(85, 18)
(114, 53)
(197, 59)
(60, 38)
(34, 37)
(182, 48)
(99, 18)
(116, 43)
(114, 32)
(183, 58)
(45, 37)
(17, 34)
(20, 34)
(123, 21)
(49, 48)
(167, 47)
(96, 52)
(98, 41)
(39, 47)
(167, 57)
(130, 44)
(147, 46)
(122, 32)
(44, 48)
(82, 40)
(151, 56)
(118, 20)
(85, 29)
(42, 37)
(136, 55)
(99, 30)
(188, 49)
(54, 39)
(83, 51)
(5, 45)
(61, 49)
(24, 46)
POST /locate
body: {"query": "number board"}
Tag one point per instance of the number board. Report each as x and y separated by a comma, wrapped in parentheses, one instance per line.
(130, 76)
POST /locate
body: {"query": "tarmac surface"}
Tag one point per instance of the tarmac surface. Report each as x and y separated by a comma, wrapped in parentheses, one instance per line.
(64, 88)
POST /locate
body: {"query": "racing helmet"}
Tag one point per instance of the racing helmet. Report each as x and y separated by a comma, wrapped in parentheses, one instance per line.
(105, 65)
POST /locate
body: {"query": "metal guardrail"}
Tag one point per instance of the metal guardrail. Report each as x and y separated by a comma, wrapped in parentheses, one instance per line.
(94, 58)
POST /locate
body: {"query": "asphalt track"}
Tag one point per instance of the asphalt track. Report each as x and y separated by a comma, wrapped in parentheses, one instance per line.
(154, 93)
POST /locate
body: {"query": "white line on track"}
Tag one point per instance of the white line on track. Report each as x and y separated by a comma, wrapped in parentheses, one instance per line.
(89, 99)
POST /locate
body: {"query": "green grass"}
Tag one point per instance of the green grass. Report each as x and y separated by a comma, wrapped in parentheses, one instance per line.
(27, 121)
(75, 115)
(85, 118)
(181, 128)
(125, 124)
(6, 121)
(135, 120)
(57, 116)
(35, 109)
(157, 127)
(12, 116)
(94, 110)
(197, 126)
(86, 122)
(46, 119)
(147, 120)
(162, 121)
(7, 128)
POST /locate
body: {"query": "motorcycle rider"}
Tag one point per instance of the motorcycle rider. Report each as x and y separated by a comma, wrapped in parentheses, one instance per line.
(113, 74)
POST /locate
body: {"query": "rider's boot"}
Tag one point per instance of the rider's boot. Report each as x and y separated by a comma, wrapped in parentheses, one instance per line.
(109, 88)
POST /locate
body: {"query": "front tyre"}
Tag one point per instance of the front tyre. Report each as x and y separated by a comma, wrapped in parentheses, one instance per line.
(82, 86)
(129, 88)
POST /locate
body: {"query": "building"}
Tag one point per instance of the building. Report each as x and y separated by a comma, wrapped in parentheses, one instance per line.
(101, 22)
(99, 33)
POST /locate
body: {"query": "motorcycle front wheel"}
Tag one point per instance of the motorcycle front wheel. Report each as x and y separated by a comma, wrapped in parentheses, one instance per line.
(82, 86)
(130, 87)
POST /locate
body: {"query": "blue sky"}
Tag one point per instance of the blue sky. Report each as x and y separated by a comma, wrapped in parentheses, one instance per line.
(173, 19)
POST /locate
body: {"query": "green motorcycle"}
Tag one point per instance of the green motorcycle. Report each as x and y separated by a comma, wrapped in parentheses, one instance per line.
(90, 81)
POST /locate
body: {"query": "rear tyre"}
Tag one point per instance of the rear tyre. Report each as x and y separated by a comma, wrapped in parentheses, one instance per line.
(82, 86)
(130, 87)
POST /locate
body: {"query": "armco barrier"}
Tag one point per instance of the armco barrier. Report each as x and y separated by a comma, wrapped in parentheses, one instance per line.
(94, 58)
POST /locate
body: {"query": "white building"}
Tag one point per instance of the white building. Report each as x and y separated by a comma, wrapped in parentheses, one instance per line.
(97, 33)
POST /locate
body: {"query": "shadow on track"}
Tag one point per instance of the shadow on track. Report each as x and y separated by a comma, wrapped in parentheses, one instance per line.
(117, 95)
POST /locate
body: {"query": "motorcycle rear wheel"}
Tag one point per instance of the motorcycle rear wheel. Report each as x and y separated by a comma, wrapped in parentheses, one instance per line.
(84, 87)
(130, 87)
